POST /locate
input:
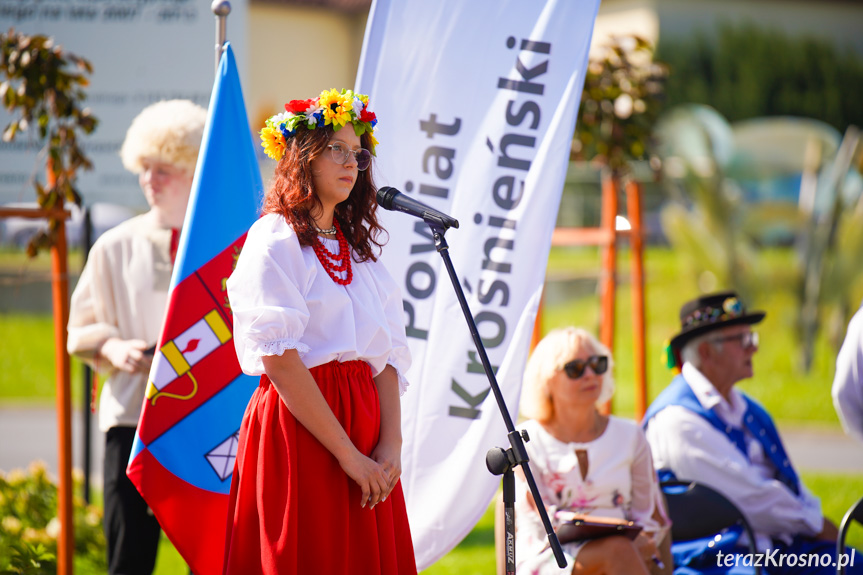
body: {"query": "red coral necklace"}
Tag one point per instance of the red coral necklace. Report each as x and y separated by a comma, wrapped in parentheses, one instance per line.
(334, 264)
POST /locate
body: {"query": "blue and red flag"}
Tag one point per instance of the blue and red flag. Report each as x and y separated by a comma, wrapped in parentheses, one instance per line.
(186, 441)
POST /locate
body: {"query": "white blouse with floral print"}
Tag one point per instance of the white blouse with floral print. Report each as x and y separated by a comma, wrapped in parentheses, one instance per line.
(619, 482)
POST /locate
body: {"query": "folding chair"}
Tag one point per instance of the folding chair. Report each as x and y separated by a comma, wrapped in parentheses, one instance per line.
(698, 511)
(854, 513)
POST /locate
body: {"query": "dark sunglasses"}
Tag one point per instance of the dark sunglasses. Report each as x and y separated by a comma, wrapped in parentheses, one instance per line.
(575, 368)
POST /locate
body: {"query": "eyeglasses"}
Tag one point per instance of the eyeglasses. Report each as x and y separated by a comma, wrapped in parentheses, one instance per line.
(747, 339)
(341, 153)
(575, 368)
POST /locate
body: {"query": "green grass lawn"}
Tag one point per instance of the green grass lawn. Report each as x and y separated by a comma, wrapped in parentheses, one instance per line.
(792, 396)
(27, 373)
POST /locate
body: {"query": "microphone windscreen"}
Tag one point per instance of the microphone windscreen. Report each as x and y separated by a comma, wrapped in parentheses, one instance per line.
(385, 197)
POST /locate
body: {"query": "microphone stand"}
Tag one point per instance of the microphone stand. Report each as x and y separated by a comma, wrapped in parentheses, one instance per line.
(499, 461)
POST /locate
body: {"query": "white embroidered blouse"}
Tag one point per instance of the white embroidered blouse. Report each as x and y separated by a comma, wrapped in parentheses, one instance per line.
(282, 298)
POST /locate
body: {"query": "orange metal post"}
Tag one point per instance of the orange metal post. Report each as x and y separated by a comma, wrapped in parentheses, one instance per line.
(608, 280)
(34, 213)
(633, 210)
(60, 297)
(583, 236)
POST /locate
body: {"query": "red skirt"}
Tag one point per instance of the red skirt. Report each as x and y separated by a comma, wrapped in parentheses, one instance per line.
(293, 510)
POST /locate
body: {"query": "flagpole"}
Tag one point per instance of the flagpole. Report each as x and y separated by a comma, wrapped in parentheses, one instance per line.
(221, 8)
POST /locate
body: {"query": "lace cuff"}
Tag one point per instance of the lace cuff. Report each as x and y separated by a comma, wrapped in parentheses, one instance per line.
(252, 362)
(403, 382)
(279, 347)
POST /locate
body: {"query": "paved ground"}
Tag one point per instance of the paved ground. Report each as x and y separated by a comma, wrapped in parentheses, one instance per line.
(30, 433)
(823, 450)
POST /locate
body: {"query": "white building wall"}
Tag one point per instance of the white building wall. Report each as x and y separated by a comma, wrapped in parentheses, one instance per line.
(296, 53)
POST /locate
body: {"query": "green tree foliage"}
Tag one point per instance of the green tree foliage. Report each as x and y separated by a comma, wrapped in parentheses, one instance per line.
(747, 71)
(43, 88)
(619, 104)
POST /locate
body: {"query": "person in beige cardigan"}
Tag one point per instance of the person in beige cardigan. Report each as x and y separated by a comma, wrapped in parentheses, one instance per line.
(118, 306)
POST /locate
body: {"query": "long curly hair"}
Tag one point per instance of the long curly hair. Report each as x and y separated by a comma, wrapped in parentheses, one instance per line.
(291, 194)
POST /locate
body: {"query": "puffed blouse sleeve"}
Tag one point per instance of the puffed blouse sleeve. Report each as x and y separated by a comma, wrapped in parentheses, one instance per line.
(391, 296)
(267, 294)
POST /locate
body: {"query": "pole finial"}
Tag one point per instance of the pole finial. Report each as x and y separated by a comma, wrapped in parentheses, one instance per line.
(221, 7)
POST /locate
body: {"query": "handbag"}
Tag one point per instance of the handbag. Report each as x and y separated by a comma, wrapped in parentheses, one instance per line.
(587, 528)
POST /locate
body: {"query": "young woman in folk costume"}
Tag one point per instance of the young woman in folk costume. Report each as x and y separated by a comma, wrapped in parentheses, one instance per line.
(316, 484)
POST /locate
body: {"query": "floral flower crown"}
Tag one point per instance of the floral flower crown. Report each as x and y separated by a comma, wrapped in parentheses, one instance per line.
(330, 107)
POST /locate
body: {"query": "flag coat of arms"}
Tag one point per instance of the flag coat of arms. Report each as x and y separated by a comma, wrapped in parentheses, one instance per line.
(186, 440)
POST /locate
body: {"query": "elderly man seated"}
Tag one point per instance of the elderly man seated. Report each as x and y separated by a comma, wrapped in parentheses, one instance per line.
(702, 428)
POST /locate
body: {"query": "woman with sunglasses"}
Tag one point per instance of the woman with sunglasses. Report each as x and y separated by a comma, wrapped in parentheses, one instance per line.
(316, 485)
(584, 463)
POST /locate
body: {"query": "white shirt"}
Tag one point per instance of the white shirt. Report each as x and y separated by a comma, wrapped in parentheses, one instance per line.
(282, 298)
(122, 293)
(693, 449)
(848, 382)
(620, 483)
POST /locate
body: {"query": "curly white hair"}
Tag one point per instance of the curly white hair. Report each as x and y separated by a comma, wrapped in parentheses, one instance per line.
(169, 131)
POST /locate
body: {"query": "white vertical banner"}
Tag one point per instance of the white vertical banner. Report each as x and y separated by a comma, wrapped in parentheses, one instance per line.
(477, 103)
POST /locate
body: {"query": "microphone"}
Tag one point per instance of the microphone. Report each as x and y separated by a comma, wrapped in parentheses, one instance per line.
(392, 199)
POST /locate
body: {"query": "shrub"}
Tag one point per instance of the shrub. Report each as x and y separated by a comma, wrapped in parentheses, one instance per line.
(29, 526)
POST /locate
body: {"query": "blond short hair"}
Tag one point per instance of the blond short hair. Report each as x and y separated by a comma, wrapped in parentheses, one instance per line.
(169, 131)
(557, 348)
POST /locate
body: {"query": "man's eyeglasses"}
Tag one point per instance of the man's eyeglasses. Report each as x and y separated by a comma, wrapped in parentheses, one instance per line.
(747, 339)
(341, 152)
(575, 368)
